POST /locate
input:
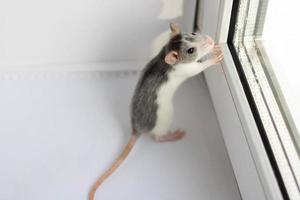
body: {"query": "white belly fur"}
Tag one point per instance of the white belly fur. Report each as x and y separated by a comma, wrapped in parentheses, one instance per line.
(165, 103)
(167, 91)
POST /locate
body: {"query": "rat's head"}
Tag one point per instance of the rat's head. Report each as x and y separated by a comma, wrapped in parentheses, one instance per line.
(187, 47)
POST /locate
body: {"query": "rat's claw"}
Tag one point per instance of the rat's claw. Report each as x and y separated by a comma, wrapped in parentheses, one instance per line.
(218, 57)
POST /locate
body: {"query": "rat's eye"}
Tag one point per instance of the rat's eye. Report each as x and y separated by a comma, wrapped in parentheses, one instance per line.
(191, 50)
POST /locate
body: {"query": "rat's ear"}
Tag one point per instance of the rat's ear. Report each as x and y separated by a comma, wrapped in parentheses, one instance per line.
(171, 57)
(175, 30)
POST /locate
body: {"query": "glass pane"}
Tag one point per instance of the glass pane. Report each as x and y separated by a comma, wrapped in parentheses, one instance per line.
(281, 42)
(263, 40)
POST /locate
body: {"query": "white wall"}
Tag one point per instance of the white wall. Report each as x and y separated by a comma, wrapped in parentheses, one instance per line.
(81, 31)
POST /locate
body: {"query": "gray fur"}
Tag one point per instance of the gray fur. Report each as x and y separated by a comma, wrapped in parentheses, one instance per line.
(143, 105)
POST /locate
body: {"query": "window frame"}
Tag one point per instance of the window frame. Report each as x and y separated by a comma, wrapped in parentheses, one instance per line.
(242, 134)
(245, 44)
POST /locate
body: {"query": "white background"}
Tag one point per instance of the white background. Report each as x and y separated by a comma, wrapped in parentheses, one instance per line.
(81, 31)
(60, 130)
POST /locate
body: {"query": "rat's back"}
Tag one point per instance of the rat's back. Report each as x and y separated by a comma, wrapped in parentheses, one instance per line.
(144, 106)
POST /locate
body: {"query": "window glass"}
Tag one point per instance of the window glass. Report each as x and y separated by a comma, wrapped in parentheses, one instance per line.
(263, 42)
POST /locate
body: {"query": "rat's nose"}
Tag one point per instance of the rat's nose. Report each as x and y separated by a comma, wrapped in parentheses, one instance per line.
(209, 40)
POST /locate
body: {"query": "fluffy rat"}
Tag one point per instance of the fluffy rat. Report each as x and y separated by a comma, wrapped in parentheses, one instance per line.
(151, 106)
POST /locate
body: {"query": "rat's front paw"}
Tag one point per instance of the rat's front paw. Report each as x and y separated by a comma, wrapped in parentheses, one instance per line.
(217, 55)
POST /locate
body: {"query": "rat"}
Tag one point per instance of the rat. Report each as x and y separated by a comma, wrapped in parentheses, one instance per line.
(184, 56)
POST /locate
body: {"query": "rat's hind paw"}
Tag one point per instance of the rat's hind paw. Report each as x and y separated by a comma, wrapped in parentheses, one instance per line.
(170, 136)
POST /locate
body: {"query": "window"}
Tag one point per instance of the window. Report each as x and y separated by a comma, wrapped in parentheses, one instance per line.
(263, 43)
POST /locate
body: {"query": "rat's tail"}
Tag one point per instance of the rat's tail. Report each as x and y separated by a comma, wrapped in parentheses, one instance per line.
(114, 166)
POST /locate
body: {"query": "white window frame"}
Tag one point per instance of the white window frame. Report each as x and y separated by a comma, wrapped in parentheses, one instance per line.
(250, 162)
